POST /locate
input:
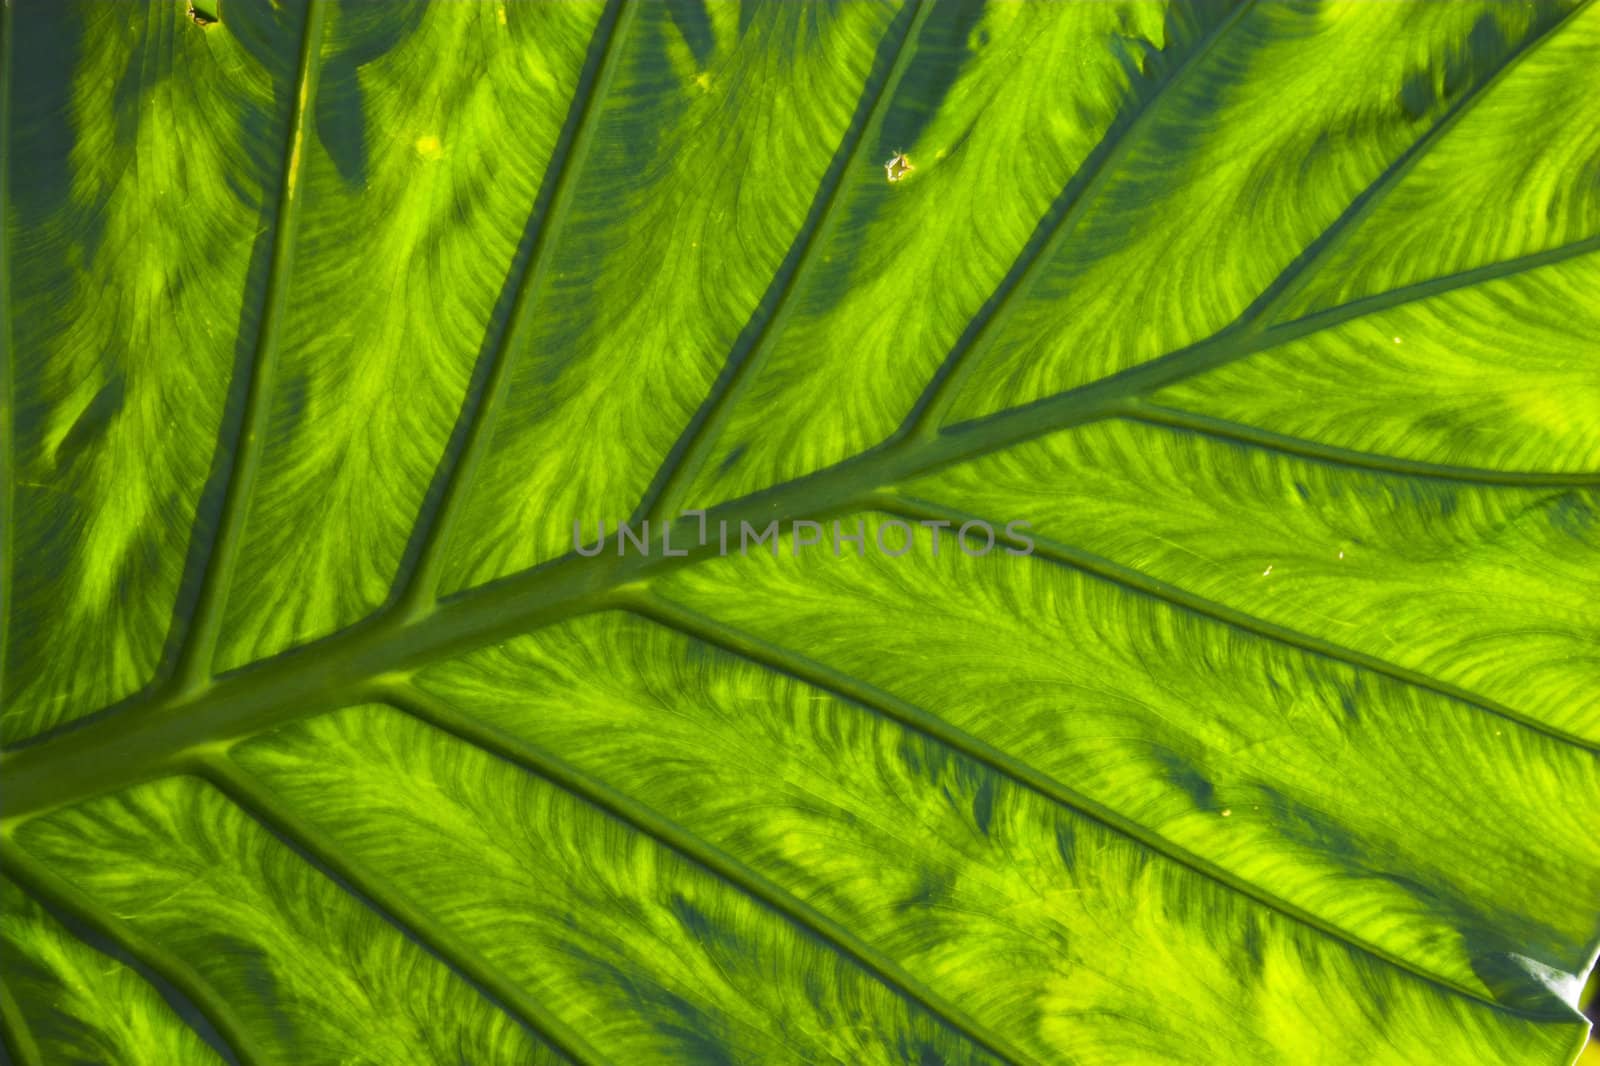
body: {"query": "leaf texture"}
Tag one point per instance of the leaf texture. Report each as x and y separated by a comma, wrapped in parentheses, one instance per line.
(1259, 337)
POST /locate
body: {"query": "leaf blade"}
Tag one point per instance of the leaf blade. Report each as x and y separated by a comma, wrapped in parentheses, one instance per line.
(1288, 698)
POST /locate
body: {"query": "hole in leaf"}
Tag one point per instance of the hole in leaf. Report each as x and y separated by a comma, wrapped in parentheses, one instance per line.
(205, 12)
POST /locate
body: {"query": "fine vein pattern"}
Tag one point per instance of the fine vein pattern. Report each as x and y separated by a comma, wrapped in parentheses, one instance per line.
(1137, 603)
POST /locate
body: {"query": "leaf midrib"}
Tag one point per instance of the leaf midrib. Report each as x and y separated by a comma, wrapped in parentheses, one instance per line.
(573, 585)
(188, 735)
(156, 737)
(143, 739)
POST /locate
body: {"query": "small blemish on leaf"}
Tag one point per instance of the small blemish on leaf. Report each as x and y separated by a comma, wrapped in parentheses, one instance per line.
(1227, 812)
(429, 147)
(898, 167)
(1267, 571)
(204, 12)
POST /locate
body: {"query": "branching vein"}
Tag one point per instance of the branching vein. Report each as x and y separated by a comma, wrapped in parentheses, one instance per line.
(193, 665)
(417, 583)
(915, 718)
(411, 920)
(443, 716)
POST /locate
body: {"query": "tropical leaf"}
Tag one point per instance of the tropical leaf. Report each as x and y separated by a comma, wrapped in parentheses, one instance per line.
(1262, 337)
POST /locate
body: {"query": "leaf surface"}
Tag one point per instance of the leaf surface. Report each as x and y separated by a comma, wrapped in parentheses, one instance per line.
(1258, 740)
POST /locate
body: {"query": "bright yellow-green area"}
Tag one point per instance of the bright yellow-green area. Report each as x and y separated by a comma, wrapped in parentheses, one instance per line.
(81, 1005)
(1520, 155)
(138, 187)
(1275, 323)
(417, 189)
(1338, 787)
(310, 974)
(668, 963)
(1261, 153)
(1487, 588)
(686, 202)
(1039, 921)
(1023, 103)
(1430, 380)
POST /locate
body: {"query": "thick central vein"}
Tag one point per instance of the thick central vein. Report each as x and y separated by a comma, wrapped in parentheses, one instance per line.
(149, 739)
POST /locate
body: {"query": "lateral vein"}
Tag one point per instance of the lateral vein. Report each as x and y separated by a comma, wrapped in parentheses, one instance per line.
(1332, 455)
(689, 452)
(416, 585)
(192, 668)
(251, 795)
(16, 1038)
(1303, 268)
(1057, 224)
(447, 718)
(1251, 331)
(1174, 596)
(71, 905)
(773, 657)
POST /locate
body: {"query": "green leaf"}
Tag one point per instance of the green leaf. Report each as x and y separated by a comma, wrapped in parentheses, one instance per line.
(1259, 740)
